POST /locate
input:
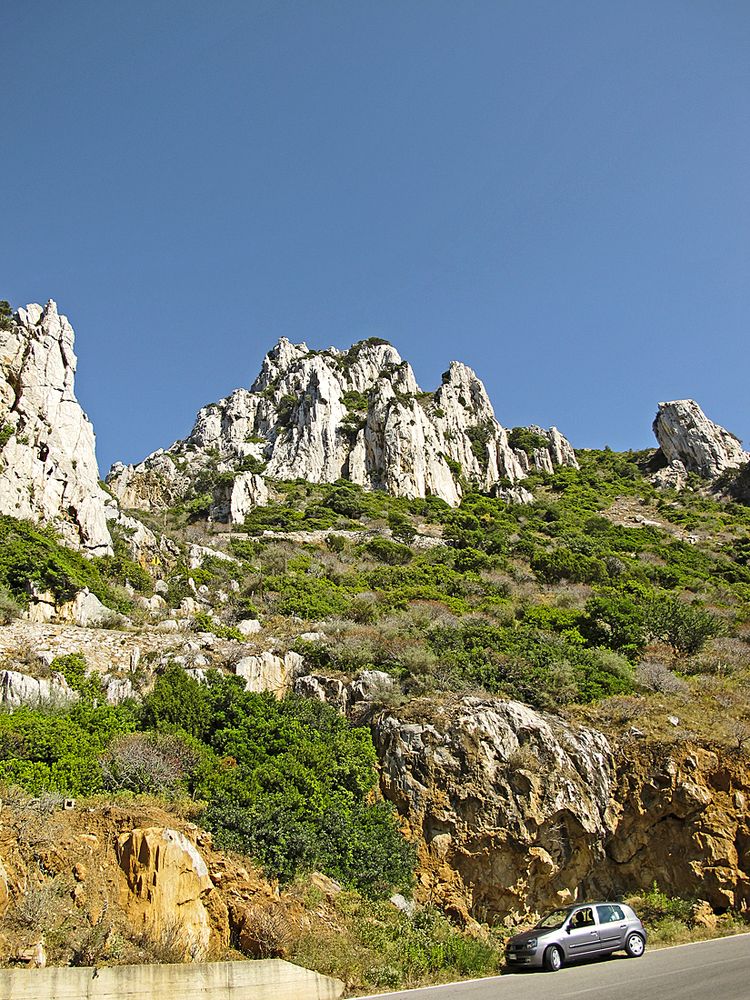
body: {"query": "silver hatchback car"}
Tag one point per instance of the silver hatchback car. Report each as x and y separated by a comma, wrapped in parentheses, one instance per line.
(574, 932)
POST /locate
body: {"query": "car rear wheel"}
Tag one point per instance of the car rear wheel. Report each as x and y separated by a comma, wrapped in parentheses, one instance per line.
(553, 959)
(635, 946)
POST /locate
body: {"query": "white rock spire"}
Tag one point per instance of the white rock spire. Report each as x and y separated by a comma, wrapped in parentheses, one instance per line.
(48, 469)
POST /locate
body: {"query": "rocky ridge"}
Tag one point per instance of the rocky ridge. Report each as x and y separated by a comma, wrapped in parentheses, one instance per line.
(327, 415)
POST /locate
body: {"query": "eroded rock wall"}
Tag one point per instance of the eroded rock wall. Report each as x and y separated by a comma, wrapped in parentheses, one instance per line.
(515, 812)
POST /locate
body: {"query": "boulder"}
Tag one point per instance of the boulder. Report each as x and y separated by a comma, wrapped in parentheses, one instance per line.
(268, 672)
(249, 626)
(686, 435)
(86, 610)
(168, 891)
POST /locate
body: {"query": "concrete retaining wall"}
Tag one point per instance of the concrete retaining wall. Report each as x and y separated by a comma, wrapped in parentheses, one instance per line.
(269, 979)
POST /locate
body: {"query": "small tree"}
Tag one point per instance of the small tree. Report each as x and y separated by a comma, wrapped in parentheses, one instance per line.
(686, 627)
(6, 315)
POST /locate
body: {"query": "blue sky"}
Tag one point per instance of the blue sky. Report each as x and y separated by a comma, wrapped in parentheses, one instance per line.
(554, 192)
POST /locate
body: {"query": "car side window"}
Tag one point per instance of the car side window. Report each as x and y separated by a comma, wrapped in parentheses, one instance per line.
(583, 918)
(609, 913)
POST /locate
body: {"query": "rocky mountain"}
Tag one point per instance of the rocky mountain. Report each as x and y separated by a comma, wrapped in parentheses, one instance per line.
(553, 697)
(48, 469)
(357, 415)
(690, 442)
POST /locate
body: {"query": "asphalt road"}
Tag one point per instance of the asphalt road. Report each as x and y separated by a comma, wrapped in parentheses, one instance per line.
(709, 970)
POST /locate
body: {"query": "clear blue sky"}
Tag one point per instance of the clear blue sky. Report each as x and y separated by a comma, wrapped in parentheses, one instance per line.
(554, 191)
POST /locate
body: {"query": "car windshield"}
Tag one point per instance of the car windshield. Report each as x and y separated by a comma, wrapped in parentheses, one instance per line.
(554, 920)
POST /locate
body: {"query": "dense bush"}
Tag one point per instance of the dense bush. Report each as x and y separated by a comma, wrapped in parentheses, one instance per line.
(59, 751)
(30, 554)
(384, 550)
(6, 315)
(291, 784)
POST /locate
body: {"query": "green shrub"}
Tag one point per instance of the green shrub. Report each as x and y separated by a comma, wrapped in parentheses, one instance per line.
(41, 751)
(563, 564)
(687, 628)
(73, 667)
(292, 782)
(6, 315)
(10, 608)
(30, 554)
(178, 700)
(526, 440)
(354, 400)
(386, 551)
(309, 597)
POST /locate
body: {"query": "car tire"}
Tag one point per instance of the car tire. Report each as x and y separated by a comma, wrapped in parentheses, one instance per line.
(553, 959)
(634, 945)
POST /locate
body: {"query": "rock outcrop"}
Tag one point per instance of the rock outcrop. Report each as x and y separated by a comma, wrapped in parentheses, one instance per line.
(48, 469)
(515, 811)
(327, 415)
(510, 807)
(690, 442)
(170, 892)
(269, 672)
(682, 820)
(17, 689)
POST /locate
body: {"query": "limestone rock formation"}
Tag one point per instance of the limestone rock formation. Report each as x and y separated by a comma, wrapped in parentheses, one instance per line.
(17, 689)
(326, 415)
(48, 469)
(268, 672)
(510, 807)
(687, 436)
(515, 811)
(169, 890)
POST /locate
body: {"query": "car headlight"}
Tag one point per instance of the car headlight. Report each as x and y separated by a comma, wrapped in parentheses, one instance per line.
(532, 943)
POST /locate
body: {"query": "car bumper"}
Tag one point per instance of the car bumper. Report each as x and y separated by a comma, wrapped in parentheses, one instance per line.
(523, 959)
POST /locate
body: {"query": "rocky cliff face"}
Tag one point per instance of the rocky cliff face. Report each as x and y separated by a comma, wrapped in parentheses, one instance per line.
(322, 416)
(690, 442)
(516, 811)
(48, 469)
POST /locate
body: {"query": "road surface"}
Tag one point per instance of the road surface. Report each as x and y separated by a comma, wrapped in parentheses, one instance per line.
(708, 970)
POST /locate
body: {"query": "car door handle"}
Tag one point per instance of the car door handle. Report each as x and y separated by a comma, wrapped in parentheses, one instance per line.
(592, 932)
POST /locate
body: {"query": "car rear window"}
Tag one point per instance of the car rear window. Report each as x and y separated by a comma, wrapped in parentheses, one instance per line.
(609, 913)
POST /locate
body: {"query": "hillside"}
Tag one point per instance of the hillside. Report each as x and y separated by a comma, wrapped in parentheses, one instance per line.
(349, 627)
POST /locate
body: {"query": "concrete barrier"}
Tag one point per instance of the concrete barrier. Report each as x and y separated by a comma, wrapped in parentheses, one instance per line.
(266, 979)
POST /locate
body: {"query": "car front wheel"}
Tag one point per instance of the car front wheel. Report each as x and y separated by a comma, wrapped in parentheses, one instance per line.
(635, 946)
(553, 959)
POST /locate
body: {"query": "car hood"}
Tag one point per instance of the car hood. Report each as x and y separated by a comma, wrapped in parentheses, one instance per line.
(525, 936)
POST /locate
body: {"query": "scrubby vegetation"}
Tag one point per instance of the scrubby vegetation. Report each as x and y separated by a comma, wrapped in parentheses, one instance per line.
(604, 599)
(289, 782)
(32, 555)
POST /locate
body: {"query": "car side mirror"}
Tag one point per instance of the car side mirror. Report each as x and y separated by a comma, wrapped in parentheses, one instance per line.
(568, 929)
